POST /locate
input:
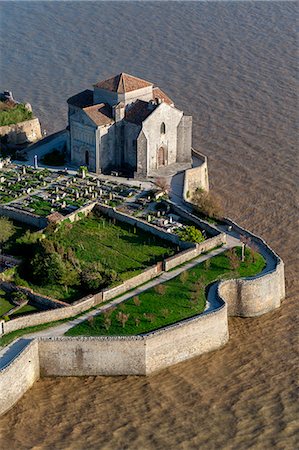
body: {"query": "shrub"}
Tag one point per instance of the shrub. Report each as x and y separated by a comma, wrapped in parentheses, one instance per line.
(55, 158)
(160, 289)
(122, 318)
(7, 229)
(207, 203)
(136, 301)
(184, 277)
(19, 297)
(92, 277)
(234, 261)
(190, 234)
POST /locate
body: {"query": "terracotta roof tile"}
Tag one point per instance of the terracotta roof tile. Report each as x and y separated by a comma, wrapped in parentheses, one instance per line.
(100, 114)
(82, 100)
(123, 83)
(157, 93)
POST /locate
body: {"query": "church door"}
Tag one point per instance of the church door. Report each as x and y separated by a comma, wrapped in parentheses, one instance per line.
(161, 157)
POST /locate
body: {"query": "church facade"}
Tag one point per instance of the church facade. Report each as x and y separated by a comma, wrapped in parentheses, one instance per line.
(127, 124)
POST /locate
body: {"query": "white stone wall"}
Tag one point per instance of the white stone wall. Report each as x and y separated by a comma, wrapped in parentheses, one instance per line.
(152, 130)
(19, 376)
(22, 132)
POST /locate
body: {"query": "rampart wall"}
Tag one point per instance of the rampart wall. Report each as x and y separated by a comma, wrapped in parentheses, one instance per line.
(18, 376)
(22, 132)
(196, 177)
(153, 351)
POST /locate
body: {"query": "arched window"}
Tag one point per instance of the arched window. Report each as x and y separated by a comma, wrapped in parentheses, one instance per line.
(87, 158)
(163, 128)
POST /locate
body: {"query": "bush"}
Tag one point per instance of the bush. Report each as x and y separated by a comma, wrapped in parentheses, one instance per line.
(207, 204)
(190, 234)
(55, 158)
(14, 114)
(92, 278)
(19, 297)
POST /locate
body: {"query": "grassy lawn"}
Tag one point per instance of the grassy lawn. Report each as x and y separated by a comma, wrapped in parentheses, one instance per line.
(5, 305)
(172, 304)
(10, 115)
(116, 246)
(9, 337)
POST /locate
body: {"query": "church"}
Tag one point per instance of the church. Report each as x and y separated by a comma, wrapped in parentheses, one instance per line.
(126, 124)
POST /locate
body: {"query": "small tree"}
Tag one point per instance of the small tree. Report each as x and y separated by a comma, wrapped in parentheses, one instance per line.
(122, 318)
(207, 264)
(207, 203)
(165, 312)
(107, 320)
(150, 317)
(163, 185)
(184, 277)
(160, 289)
(234, 261)
(7, 229)
(136, 301)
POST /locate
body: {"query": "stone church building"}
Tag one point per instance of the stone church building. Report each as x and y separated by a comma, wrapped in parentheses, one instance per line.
(127, 124)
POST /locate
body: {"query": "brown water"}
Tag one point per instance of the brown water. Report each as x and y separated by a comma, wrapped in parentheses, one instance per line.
(232, 66)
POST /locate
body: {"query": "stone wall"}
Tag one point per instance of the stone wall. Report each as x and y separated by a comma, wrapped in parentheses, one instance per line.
(145, 226)
(23, 216)
(52, 315)
(203, 224)
(42, 301)
(197, 250)
(134, 355)
(197, 177)
(17, 377)
(131, 283)
(253, 297)
(22, 132)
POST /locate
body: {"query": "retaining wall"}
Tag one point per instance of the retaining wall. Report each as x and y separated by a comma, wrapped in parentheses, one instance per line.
(23, 216)
(196, 177)
(149, 228)
(52, 315)
(17, 377)
(198, 249)
(132, 283)
(22, 132)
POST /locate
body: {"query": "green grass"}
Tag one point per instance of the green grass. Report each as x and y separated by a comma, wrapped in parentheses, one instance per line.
(12, 115)
(9, 337)
(5, 306)
(115, 246)
(176, 300)
(41, 207)
(24, 310)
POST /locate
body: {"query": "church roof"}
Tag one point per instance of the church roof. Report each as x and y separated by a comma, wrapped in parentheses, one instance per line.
(157, 93)
(82, 100)
(139, 111)
(100, 114)
(123, 83)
